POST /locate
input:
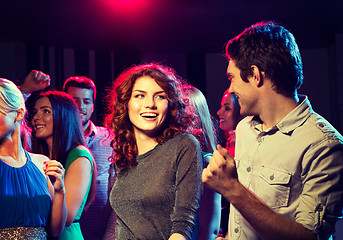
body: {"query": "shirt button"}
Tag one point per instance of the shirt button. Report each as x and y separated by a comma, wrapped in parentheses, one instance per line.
(271, 177)
(236, 230)
(248, 169)
(319, 208)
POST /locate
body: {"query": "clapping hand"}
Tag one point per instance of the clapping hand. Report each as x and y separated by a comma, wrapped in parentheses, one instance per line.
(221, 173)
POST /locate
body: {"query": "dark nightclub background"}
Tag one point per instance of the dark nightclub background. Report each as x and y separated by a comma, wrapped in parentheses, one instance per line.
(99, 38)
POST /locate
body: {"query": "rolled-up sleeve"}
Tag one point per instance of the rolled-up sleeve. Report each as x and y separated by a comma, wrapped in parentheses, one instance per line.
(321, 200)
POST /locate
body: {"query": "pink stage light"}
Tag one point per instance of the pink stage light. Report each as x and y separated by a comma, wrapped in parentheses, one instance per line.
(127, 6)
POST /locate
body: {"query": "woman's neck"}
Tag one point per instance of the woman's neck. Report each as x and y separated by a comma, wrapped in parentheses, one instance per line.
(145, 143)
(11, 146)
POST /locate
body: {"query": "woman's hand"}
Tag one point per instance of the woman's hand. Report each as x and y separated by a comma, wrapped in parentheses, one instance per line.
(58, 217)
(55, 171)
(176, 236)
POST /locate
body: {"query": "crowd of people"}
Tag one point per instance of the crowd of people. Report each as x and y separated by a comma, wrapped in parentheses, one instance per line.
(158, 169)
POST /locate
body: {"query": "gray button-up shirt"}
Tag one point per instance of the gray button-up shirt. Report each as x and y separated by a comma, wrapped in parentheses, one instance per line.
(295, 167)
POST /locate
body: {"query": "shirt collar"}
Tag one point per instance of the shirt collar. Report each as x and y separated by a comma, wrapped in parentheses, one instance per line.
(291, 121)
(92, 129)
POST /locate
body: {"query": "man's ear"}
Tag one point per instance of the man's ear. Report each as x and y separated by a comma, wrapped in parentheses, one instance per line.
(20, 115)
(257, 75)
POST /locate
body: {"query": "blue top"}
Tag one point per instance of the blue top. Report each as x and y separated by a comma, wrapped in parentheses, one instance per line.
(25, 199)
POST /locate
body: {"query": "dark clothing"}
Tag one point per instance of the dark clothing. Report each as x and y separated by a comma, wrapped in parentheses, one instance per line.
(160, 196)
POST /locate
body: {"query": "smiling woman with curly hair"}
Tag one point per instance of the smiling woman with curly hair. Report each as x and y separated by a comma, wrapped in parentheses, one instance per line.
(158, 186)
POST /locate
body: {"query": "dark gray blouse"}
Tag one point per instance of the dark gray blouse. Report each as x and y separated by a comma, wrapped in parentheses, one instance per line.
(160, 196)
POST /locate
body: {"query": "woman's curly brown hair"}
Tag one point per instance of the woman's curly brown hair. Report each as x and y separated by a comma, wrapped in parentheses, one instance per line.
(117, 120)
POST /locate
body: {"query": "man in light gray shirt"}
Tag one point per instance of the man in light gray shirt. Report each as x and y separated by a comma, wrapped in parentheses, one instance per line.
(286, 181)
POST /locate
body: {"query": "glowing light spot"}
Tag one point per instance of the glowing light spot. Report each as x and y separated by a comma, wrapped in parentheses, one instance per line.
(127, 6)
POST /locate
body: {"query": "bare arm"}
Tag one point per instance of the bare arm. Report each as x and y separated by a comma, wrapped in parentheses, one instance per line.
(221, 175)
(59, 209)
(77, 179)
(54, 169)
(35, 81)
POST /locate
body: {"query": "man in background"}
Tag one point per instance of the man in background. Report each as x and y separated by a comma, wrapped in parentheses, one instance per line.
(99, 214)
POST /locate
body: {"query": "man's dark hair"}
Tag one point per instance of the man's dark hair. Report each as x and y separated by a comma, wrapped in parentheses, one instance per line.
(273, 49)
(80, 82)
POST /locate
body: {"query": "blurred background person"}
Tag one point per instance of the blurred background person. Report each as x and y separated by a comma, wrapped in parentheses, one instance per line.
(97, 217)
(229, 116)
(204, 130)
(31, 205)
(34, 82)
(57, 133)
(158, 187)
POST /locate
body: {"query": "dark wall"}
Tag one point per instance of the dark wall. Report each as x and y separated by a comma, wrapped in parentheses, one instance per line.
(205, 70)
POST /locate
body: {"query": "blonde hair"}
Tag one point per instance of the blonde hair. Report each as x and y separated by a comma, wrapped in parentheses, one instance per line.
(203, 127)
(11, 99)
